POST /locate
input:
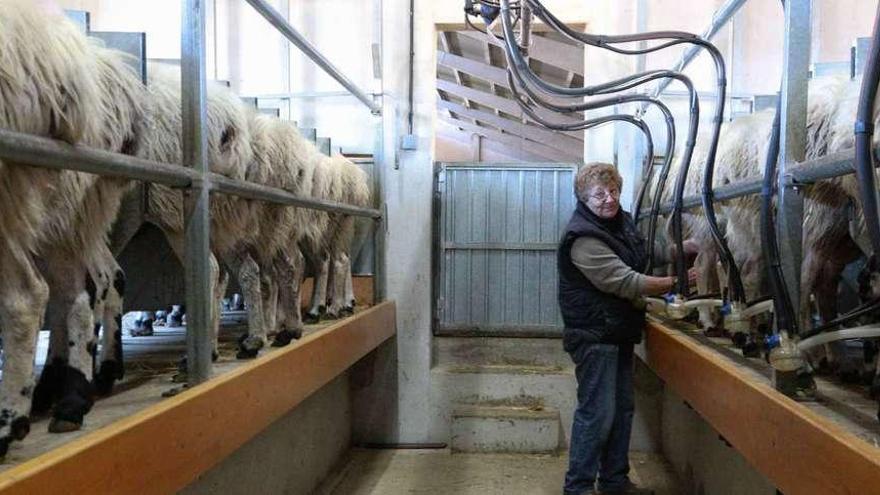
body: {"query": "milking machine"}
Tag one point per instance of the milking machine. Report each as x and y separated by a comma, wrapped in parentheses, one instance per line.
(865, 172)
(530, 90)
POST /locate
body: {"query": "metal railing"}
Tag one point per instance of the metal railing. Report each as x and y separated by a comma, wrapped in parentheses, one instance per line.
(719, 19)
(801, 175)
(300, 42)
(197, 235)
(193, 174)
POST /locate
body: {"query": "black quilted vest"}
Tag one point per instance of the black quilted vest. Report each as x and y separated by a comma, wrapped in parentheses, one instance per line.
(589, 314)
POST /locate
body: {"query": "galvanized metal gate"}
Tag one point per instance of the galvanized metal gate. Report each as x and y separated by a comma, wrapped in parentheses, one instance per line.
(495, 237)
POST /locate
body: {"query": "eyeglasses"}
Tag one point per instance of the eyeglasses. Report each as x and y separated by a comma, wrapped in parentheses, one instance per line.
(603, 195)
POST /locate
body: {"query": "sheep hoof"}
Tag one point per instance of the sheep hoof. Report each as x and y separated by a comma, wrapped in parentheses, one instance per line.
(751, 350)
(284, 337)
(246, 354)
(312, 318)
(4, 447)
(332, 315)
(714, 332)
(20, 428)
(48, 387)
(63, 426)
(180, 377)
(108, 374)
(347, 311)
(249, 347)
(74, 405)
(740, 339)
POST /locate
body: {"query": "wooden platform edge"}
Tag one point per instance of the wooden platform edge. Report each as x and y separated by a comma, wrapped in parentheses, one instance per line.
(166, 446)
(799, 450)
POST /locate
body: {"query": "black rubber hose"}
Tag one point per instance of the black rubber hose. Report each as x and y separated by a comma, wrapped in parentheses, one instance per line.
(785, 318)
(734, 279)
(647, 175)
(864, 133)
(515, 59)
(737, 292)
(670, 128)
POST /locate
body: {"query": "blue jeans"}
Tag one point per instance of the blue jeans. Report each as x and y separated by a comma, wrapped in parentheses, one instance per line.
(603, 418)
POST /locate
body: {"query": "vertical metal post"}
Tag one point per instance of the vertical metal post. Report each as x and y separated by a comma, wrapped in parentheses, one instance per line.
(379, 158)
(793, 140)
(199, 341)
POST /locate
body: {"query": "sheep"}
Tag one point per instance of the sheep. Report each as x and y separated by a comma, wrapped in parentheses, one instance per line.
(356, 192)
(828, 246)
(122, 111)
(282, 159)
(327, 246)
(229, 152)
(54, 223)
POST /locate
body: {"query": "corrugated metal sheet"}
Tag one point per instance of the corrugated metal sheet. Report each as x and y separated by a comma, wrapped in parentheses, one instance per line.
(498, 230)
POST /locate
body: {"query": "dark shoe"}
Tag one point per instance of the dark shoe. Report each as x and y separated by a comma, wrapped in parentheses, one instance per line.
(628, 489)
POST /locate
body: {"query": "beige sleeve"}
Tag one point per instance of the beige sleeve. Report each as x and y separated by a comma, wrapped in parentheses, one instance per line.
(606, 270)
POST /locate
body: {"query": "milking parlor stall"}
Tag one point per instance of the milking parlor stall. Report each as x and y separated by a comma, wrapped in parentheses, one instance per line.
(359, 247)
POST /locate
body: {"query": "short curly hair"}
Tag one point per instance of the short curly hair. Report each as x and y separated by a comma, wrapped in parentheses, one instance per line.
(596, 174)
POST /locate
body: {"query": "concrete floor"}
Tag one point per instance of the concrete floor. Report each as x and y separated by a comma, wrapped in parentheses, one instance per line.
(389, 472)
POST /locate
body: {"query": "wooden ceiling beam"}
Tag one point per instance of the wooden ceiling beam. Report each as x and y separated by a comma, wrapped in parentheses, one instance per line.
(538, 134)
(562, 55)
(514, 141)
(504, 104)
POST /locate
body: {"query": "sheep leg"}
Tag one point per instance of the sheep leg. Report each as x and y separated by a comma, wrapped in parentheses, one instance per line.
(111, 367)
(707, 280)
(337, 289)
(319, 291)
(48, 388)
(349, 290)
(249, 277)
(176, 241)
(288, 269)
(270, 299)
(23, 297)
(219, 281)
(75, 291)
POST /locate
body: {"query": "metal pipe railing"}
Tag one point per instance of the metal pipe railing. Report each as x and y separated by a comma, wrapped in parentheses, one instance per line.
(197, 199)
(193, 174)
(803, 174)
(721, 17)
(284, 27)
(49, 153)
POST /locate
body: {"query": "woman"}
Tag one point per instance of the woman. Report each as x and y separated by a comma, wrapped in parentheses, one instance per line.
(600, 260)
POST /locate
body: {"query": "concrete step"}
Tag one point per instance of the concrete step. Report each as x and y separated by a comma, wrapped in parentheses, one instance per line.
(81, 18)
(323, 144)
(132, 43)
(550, 387)
(309, 133)
(505, 429)
(494, 350)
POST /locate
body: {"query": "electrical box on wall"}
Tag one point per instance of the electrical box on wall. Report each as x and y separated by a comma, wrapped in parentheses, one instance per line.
(409, 142)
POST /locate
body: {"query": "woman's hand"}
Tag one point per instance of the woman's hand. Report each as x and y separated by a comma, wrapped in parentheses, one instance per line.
(692, 275)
